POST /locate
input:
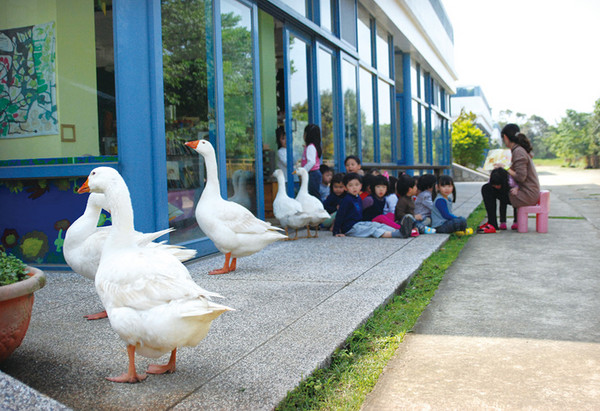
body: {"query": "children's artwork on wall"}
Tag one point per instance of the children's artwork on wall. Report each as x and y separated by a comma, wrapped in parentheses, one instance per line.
(28, 104)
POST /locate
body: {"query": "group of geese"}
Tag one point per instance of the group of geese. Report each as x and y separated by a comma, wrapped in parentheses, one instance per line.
(150, 298)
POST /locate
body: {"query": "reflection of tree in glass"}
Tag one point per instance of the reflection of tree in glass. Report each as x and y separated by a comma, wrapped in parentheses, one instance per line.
(350, 122)
(184, 59)
(238, 86)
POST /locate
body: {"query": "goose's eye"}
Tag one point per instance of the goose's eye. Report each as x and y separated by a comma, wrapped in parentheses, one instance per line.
(93, 173)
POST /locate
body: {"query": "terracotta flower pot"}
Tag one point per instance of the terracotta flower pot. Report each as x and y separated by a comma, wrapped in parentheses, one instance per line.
(16, 302)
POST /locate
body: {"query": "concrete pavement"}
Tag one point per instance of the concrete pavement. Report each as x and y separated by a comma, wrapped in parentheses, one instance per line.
(515, 322)
(296, 302)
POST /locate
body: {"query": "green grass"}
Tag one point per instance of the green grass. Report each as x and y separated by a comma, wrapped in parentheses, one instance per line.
(355, 368)
(558, 162)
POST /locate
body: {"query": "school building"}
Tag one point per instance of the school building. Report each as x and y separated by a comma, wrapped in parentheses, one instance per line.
(124, 83)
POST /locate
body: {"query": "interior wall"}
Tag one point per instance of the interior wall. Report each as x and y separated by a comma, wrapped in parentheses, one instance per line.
(75, 76)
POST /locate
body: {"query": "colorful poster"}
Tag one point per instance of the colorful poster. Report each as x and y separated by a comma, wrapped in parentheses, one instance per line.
(28, 81)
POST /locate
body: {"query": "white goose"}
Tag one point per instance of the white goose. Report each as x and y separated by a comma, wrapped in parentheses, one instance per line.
(232, 228)
(152, 302)
(84, 241)
(286, 209)
(311, 205)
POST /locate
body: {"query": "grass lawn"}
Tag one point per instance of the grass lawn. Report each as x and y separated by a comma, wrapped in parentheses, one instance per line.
(558, 162)
(355, 368)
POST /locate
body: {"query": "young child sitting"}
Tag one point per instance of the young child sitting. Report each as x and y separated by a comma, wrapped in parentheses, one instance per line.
(441, 214)
(374, 203)
(348, 220)
(326, 176)
(406, 188)
(333, 200)
(424, 202)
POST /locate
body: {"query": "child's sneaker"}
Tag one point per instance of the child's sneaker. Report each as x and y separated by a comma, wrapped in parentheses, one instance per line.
(414, 232)
(515, 226)
(429, 230)
(467, 231)
(406, 225)
(486, 228)
(502, 226)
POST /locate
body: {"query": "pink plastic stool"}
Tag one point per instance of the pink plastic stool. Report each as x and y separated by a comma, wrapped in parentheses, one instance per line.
(541, 210)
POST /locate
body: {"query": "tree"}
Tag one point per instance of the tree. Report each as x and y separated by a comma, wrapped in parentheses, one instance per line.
(468, 141)
(573, 137)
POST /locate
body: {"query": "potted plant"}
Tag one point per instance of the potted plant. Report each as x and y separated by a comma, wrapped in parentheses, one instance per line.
(17, 284)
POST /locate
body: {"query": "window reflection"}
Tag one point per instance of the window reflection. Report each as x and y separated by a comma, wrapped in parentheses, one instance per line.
(416, 116)
(298, 93)
(436, 133)
(328, 124)
(325, 10)
(364, 36)
(187, 111)
(350, 107)
(385, 122)
(238, 83)
(383, 53)
(366, 115)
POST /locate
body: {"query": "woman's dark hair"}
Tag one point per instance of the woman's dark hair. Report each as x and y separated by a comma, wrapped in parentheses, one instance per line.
(312, 135)
(499, 177)
(445, 180)
(405, 182)
(351, 176)
(513, 132)
(278, 133)
(337, 178)
(355, 158)
(426, 181)
(378, 181)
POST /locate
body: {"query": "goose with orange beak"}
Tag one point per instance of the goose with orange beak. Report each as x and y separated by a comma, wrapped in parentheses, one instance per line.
(234, 230)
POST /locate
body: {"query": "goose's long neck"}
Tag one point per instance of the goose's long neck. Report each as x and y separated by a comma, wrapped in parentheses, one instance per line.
(281, 185)
(212, 174)
(121, 210)
(304, 183)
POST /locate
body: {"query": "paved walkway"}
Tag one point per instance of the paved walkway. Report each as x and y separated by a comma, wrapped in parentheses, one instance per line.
(515, 322)
(295, 302)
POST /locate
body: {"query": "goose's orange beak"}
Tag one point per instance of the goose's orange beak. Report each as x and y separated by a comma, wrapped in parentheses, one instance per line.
(192, 144)
(84, 188)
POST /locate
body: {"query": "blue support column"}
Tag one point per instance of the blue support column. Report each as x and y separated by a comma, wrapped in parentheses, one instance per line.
(407, 121)
(140, 110)
(428, 132)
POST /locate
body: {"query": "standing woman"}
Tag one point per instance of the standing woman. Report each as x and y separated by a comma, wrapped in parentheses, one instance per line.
(311, 158)
(523, 190)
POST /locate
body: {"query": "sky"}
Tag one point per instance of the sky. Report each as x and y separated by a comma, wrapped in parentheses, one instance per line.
(529, 56)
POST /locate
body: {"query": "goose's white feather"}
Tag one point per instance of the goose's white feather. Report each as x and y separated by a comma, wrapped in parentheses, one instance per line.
(151, 300)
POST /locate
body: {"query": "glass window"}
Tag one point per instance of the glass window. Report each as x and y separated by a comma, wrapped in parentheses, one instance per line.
(414, 80)
(399, 72)
(238, 83)
(436, 133)
(297, 5)
(383, 53)
(400, 144)
(435, 100)
(348, 20)
(350, 107)
(325, 10)
(366, 115)
(384, 116)
(422, 83)
(67, 109)
(417, 141)
(298, 92)
(186, 73)
(364, 36)
(328, 119)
